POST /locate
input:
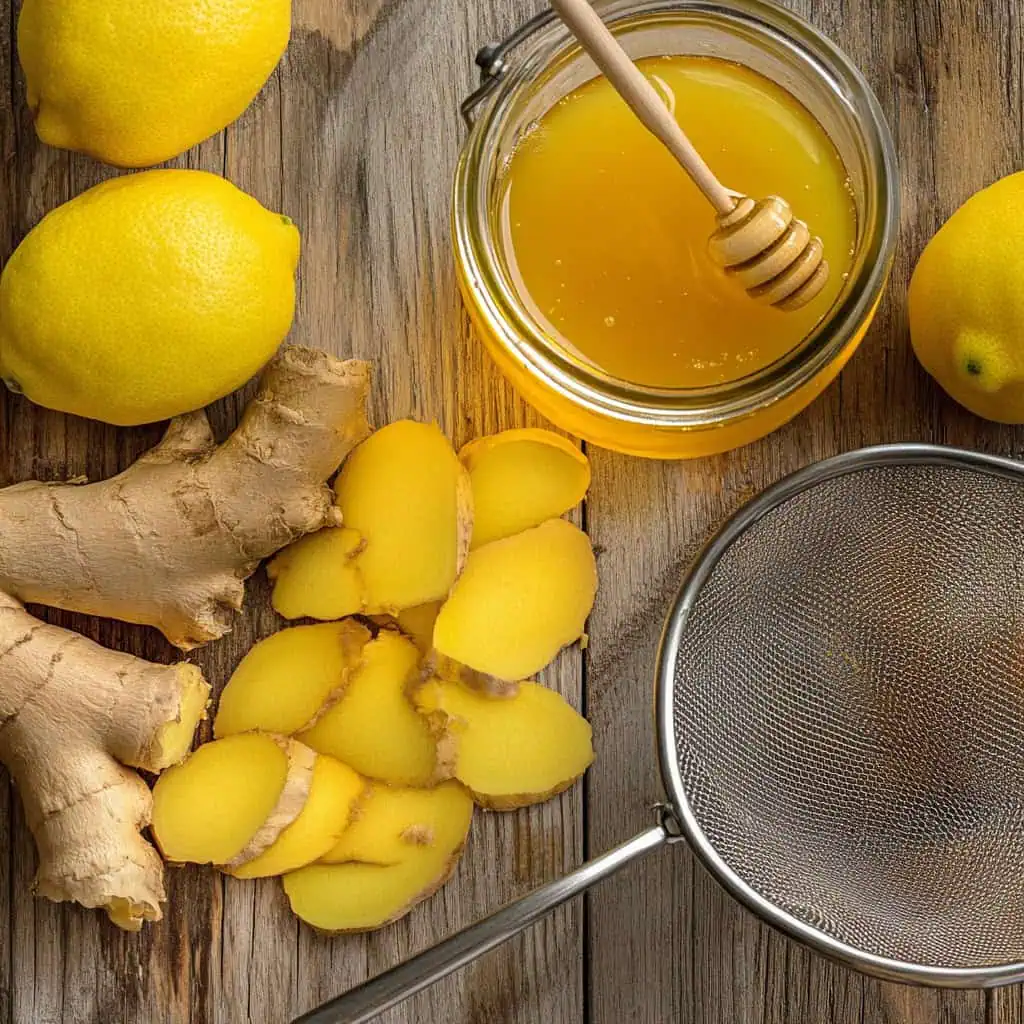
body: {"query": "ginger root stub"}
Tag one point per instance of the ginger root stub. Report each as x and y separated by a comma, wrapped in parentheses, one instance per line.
(170, 541)
(75, 718)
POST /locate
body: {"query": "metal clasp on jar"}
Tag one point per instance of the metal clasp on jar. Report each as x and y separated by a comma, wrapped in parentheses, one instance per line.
(492, 64)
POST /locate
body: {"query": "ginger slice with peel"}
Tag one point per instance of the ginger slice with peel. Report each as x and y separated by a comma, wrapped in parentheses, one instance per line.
(339, 898)
(418, 624)
(415, 623)
(333, 794)
(407, 495)
(316, 577)
(408, 500)
(520, 479)
(392, 823)
(230, 800)
(170, 541)
(285, 680)
(360, 897)
(373, 727)
(511, 751)
(518, 602)
(293, 798)
(75, 718)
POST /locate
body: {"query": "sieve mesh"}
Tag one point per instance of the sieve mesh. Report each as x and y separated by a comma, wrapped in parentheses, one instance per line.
(848, 711)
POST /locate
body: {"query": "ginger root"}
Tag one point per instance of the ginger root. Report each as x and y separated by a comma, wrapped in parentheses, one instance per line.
(508, 751)
(518, 602)
(75, 718)
(169, 543)
(393, 823)
(362, 896)
(373, 726)
(284, 681)
(171, 540)
(406, 497)
(520, 479)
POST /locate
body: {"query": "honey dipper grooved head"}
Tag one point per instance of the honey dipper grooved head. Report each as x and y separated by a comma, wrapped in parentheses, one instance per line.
(770, 253)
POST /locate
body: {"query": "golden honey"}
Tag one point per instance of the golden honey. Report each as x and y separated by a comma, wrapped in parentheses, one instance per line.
(581, 247)
(608, 237)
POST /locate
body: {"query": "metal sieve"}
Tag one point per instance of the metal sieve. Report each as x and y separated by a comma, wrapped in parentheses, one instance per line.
(840, 715)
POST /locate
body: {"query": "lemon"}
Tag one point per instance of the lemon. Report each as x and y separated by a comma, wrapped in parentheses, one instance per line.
(967, 303)
(135, 82)
(146, 296)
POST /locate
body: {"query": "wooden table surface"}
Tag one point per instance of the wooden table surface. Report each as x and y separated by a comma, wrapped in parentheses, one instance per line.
(355, 137)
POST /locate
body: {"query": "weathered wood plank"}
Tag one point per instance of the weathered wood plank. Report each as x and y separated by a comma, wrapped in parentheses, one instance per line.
(374, 138)
(665, 942)
(354, 137)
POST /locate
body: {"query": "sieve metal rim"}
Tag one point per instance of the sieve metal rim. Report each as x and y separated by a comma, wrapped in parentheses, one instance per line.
(700, 570)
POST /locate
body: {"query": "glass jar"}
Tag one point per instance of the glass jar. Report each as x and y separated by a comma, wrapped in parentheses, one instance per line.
(538, 65)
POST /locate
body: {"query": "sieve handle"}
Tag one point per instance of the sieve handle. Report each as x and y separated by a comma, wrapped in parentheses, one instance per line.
(366, 1001)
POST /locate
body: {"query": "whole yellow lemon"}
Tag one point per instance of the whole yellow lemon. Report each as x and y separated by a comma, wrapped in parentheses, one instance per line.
(967, 303)
(146, 296)
(135, 82)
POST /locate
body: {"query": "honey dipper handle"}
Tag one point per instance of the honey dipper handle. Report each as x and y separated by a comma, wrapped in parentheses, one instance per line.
(627, 79)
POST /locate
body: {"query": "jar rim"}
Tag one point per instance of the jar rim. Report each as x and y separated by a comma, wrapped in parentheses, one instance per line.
(543, 44)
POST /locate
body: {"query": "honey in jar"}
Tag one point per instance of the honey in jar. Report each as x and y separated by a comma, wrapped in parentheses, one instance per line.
(608, 236)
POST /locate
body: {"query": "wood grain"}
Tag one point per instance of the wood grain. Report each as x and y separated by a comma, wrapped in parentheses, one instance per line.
(355, 137)
(665, 942)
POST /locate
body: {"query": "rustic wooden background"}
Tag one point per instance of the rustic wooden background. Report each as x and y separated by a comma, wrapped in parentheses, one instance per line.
(355, 137)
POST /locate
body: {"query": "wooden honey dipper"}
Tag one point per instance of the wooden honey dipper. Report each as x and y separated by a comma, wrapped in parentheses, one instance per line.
(758, 242)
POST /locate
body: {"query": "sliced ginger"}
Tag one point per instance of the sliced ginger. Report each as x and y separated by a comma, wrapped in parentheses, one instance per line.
(520, 479)
(509, 751)
(407, 506)
(373, 727)
(230, 799)
(316, 577)
(333, 793)
(519, 601)
(406, 494)
(393, 824)
(361, 896)
(283, 682)
(415, 623)
(418, 624)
